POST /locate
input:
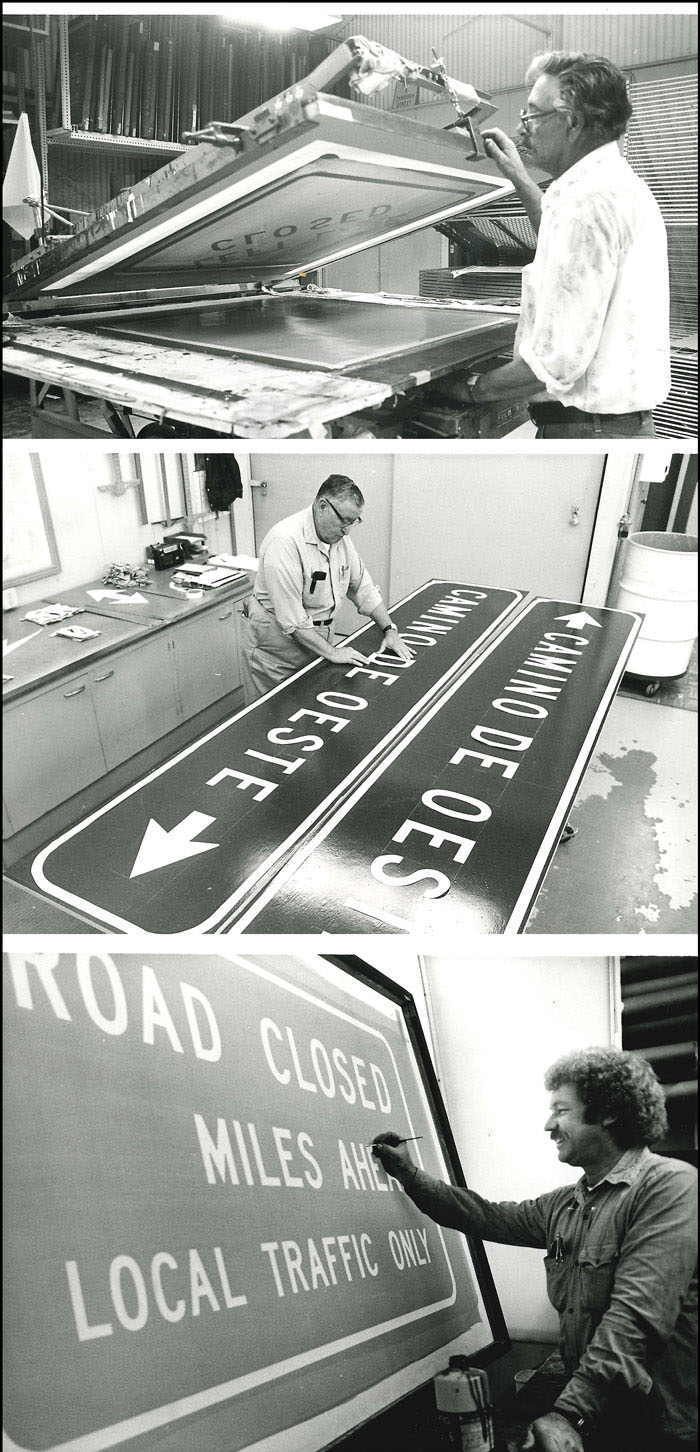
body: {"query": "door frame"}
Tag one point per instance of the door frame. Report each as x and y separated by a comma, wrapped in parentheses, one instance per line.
(620, 494)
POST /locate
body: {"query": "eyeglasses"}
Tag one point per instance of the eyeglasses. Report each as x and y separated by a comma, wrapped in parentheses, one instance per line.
(527, 117)
(346, 523)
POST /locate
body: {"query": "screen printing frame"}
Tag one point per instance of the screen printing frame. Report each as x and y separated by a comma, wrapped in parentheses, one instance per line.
(132, 243)
(336, 1419)
(301, 145)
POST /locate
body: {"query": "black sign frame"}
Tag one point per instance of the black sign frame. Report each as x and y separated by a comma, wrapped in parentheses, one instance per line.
(366, 973)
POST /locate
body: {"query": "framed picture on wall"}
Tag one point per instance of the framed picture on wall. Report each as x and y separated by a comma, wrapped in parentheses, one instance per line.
(29, 548)
(212, 1227)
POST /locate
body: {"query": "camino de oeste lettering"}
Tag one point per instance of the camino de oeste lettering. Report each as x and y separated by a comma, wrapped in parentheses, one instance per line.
(339, 707)
(541, 679)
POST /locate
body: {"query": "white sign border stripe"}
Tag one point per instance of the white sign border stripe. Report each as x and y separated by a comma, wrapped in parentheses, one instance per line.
(309, 847)
(107, 1437)
(112, 919)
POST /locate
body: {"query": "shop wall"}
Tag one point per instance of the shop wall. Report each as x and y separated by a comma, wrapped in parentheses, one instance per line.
(494, 51)
(95, 524)
(495, 519)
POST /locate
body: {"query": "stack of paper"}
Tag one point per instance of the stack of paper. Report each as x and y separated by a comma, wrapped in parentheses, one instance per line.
(50, 614)
(242, 562)
(209, 577)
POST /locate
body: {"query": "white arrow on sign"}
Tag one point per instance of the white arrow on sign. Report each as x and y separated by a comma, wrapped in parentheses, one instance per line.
(159, 848)
(576, 622)
(117, 595)
(7, 648)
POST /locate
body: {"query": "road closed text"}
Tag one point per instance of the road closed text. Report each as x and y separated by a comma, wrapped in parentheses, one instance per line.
(221, 1141)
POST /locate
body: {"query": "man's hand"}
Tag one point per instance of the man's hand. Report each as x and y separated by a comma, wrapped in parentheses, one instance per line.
(393, 1156)
(553, 1433)
(347, 655)
(393, 642)
(504, 152)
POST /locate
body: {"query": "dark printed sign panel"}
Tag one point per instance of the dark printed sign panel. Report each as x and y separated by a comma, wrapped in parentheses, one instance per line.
(200, 1250)
(188, 845)
(456, 828)
(308, 331)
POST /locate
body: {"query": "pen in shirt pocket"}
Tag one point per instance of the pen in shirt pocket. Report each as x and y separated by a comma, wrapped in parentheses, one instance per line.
(558, 1249)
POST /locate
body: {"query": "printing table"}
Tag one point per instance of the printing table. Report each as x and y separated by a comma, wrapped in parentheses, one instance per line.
(187, 301)
(427, 797)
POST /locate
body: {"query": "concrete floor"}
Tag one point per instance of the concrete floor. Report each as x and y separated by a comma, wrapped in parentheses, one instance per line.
(16, 411)
(632, 867)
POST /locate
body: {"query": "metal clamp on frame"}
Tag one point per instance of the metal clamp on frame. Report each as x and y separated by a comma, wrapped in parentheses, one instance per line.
(220, 133)
(286, 111)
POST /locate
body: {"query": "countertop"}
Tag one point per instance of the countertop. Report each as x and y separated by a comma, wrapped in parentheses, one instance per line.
(34, 655)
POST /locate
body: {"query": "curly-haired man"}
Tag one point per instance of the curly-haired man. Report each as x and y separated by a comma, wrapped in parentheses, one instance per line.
(621, 1257)
(592, 349)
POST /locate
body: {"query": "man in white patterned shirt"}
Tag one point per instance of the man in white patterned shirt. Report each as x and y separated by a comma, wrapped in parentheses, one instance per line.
(592, 348)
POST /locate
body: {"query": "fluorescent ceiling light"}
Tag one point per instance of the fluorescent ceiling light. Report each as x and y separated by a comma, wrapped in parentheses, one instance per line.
(280, 17)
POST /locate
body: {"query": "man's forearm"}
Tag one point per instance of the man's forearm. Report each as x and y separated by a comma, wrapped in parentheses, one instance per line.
(503, 150)
(512, 378)
(460, 1209)
(531, 198)
(381, 617)
(313, 640)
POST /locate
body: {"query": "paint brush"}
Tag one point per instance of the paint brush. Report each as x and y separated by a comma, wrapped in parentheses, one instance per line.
(411, 1140)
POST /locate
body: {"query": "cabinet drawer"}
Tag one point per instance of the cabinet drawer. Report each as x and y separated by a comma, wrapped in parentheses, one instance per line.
(52, 749)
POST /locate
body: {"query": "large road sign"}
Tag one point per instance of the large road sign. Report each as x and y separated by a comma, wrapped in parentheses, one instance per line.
(196, 840)
(456, 827)
(200, 1251)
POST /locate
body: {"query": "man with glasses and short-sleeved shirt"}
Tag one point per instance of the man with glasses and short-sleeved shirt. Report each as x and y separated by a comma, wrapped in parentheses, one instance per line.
(306, 568)
(592, 348)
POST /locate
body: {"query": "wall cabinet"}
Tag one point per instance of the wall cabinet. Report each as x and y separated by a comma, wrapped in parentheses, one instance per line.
(61, 738)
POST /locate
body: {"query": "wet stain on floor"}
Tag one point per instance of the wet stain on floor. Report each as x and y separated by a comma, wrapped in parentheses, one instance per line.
(632, 866)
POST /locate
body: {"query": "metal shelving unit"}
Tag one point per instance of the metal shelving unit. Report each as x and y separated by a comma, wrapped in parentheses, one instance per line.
(78, 140)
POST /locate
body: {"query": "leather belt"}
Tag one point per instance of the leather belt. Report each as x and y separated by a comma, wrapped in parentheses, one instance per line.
(329, 621)
(554, 412)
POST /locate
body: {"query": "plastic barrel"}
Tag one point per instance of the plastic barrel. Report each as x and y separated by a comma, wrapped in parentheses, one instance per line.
(659, 580)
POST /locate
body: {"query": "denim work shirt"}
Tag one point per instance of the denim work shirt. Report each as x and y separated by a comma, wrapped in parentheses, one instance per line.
(290, 554)
(621, 1269)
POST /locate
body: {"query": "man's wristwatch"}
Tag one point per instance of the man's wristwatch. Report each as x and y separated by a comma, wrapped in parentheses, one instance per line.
(579, 1423)
(388, 627)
